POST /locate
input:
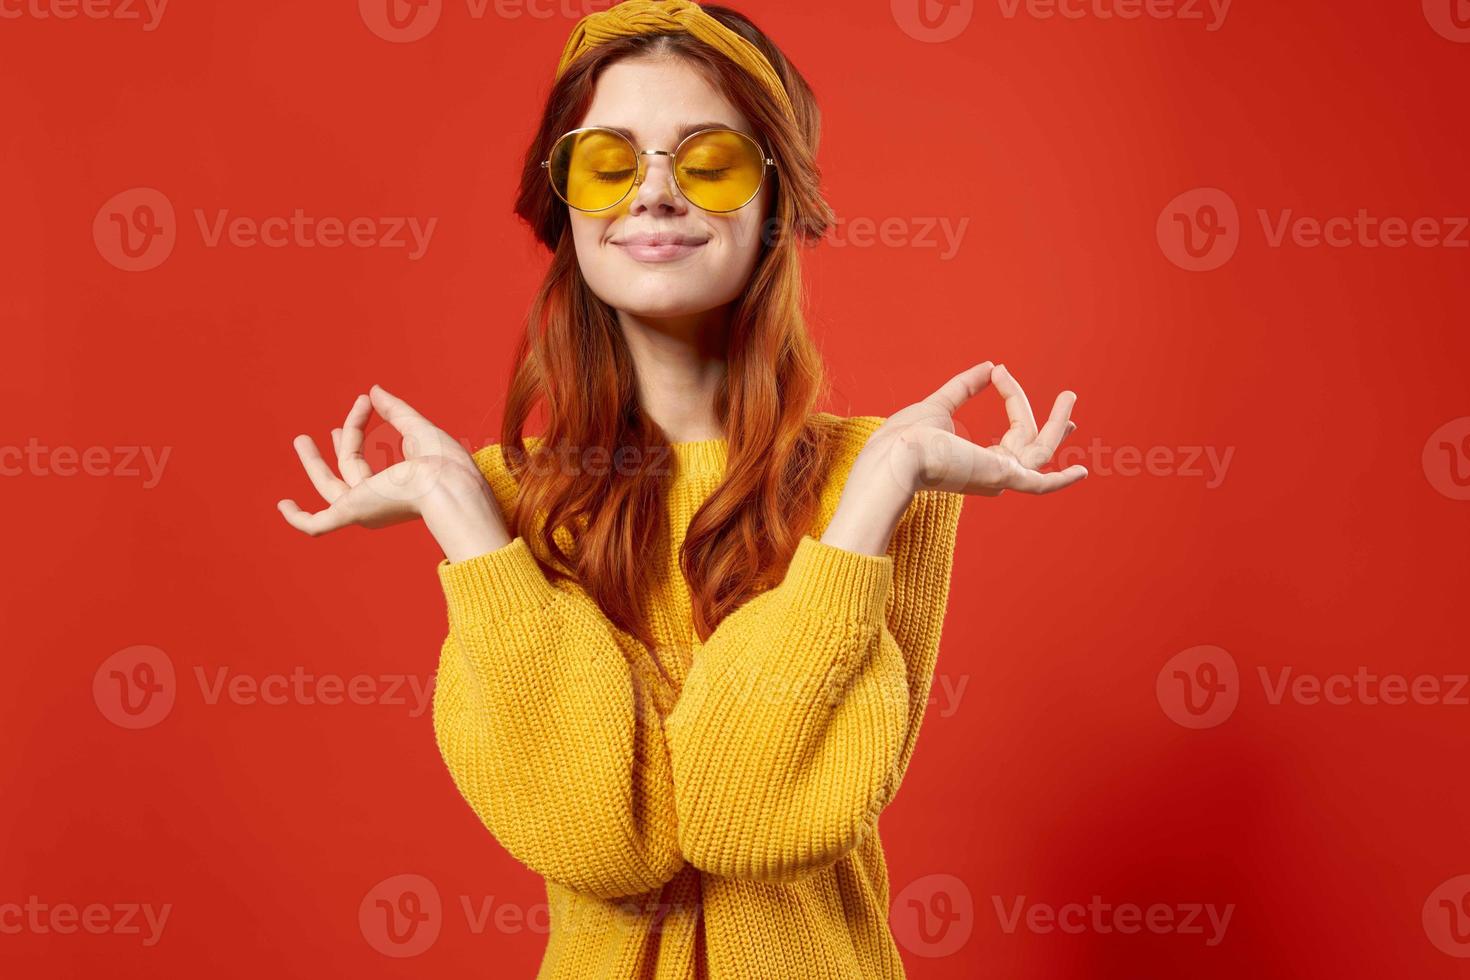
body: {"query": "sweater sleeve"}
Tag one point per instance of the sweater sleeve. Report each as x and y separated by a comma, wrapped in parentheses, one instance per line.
(548, 728)
(800, 714)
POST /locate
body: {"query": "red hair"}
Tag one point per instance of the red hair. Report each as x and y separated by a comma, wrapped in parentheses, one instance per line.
(573, 357)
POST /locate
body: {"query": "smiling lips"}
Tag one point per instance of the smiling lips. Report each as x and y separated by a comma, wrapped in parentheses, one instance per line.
(659, 247)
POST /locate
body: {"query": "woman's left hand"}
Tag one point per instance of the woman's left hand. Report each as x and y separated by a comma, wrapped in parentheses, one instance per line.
(917, 448)
(925, 452)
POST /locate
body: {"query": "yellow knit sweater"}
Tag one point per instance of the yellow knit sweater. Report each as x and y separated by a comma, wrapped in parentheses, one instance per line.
(721, 822)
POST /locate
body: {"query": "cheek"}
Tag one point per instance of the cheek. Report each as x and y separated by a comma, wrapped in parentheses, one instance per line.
(748, 229)
(743, 229)
(588, 233)
(761, 220)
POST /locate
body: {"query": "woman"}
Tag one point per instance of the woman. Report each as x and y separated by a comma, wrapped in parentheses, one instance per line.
(693, 625)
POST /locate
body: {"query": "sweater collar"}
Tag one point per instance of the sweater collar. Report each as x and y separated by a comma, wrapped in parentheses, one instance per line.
(702, 457)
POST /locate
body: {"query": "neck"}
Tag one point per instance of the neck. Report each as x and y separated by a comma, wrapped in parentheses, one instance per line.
(680, 363)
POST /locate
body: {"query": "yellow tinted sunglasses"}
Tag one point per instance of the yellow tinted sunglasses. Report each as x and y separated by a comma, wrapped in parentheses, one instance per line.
(719, 170)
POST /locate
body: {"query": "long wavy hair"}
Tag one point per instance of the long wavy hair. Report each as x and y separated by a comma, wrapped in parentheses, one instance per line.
(600, 521)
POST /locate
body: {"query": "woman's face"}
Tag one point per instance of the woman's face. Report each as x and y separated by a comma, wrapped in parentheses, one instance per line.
(656, 99)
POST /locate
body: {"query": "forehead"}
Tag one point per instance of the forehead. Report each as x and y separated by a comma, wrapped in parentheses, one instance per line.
(658, 99)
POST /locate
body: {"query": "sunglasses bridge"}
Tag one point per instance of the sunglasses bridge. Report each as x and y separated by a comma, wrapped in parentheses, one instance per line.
(642, 170)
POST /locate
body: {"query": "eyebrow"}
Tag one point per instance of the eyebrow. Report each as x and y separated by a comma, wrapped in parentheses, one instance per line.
(684, 130)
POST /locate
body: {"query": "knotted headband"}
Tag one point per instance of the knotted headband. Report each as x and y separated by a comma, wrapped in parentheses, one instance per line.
(631, 17)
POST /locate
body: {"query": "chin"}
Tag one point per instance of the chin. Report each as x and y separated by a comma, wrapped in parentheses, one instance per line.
(660, 303)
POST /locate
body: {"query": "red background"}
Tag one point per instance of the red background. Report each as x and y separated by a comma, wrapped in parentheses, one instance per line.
(1327, 547)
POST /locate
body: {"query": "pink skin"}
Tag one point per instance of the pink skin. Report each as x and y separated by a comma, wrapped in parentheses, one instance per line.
(683, 288)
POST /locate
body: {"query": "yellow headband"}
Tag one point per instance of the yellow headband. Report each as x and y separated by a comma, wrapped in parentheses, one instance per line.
(632, 17)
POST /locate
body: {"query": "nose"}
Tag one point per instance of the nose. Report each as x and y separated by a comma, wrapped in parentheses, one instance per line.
(656, 189)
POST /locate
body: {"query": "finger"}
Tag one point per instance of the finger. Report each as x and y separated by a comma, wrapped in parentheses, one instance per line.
(1030, 481)
(1058, 426)
(948, 397)
(398, 412)
(350, 461)
(1023, 424)
(321, 522)
(321, 474)
(337, 441)
(954, 463)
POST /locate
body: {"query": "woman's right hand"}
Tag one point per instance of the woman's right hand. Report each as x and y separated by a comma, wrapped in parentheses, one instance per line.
(437, 481)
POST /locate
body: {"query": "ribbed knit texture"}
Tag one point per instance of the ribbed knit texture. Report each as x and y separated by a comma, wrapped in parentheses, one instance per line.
(700, 810)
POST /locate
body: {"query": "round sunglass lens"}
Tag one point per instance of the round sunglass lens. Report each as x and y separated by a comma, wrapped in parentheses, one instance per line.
(593, 169)
(719, 170)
